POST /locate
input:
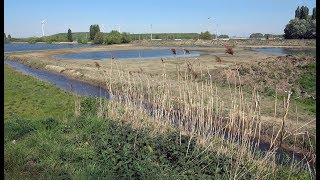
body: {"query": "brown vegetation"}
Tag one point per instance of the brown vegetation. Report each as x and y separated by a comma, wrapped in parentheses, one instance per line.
(229, 50)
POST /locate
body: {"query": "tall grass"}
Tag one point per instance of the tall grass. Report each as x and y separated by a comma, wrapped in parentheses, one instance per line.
(195, 109)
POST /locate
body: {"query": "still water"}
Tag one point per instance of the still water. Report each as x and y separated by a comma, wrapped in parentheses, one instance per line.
(126, 54)
(41, 46)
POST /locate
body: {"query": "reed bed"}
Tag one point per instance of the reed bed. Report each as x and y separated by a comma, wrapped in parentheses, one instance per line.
(232, 128)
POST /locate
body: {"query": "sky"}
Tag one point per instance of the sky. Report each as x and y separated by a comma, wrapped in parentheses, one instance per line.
(22, 18)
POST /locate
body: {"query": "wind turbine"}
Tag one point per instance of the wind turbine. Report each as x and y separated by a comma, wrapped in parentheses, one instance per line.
(119, 28)
(208, 23)
(43, 22)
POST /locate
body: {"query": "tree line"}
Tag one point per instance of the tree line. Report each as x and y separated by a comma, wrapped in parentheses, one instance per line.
(266, 36)
(97, 37)
(7, 39)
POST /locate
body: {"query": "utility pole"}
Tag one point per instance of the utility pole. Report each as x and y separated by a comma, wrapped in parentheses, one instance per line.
(217, 32)
(208, 23)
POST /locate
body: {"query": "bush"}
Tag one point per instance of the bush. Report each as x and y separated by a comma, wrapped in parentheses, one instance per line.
(32, 40)
(50, 39)
(229, 50)
(99, 38)
(114, 37)
(82, 41)
(223, 36)
(6, 40)
(206, 35)
(125, 38)
(256, 35)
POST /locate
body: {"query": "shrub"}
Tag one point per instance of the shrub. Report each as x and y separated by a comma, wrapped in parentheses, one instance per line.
(206, 35)
(125, 38)
(229, 50)
(256, 35)
(223, 36)
(32, 40)
(99, 38)
(114, 37)
(82, 41)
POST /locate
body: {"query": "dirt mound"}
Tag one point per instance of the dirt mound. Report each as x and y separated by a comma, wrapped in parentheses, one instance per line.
(283, 72)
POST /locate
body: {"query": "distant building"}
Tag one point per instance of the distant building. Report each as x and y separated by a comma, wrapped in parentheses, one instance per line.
(235, 37)
(224, 39)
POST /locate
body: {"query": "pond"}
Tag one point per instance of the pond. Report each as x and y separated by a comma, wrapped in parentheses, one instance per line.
(166, 53)
(125, 54)
(291, 51)
(80, 88)
(40, 46)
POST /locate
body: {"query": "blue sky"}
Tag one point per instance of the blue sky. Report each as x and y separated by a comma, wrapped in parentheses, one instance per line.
(22, 18)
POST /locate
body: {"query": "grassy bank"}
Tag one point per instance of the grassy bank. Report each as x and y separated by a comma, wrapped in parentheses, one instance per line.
(25, 97)
(118, 142)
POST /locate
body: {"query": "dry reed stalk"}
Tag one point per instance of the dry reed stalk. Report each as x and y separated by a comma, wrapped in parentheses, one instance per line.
(199, 112)
(286, 109)
(275, 103)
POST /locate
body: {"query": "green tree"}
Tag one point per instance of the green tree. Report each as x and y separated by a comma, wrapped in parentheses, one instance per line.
(296, 29)
(83, 40)
(297, 13)
(91, 36)
(256, 35)
(99, 38)
(9, 36)
(303, 26)
(313, 16)
(69, 36)
(114, 37)
(32, 40)
(206, 35)
(311, 29)
(125, 38)
(6, 40)
(223, 36)
(94, 29)
(50, 39)
(304, 12)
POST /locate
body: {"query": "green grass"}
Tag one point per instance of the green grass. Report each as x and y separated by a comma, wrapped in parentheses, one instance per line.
(308, 79)
(42, 141)
(25, 97)
(307, 83)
